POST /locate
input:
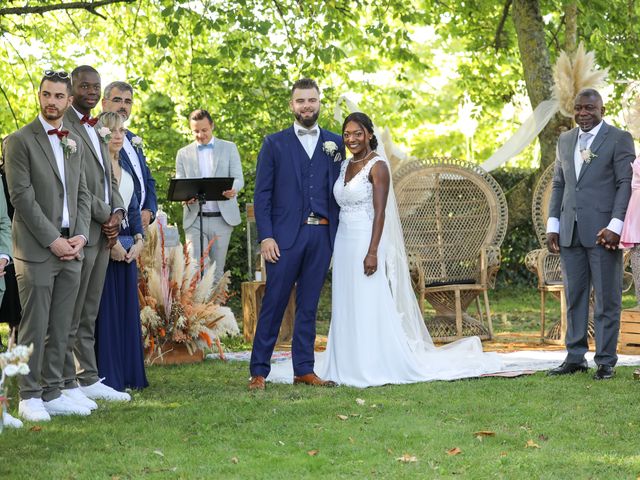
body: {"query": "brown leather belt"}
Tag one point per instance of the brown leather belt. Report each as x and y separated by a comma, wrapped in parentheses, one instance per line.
(316, 221)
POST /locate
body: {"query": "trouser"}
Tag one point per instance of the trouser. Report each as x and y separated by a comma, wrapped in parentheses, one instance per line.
(217, 232)
(81, 342)
(48, 293)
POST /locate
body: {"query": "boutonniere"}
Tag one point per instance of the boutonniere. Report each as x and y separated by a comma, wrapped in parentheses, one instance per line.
(587, 155)
(331, 149)
(136, 142)
(105, 134)
(68, 146)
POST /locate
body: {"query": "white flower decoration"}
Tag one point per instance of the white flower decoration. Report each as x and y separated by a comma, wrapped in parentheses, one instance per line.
(331, 149)
(587, 155)
(136, 142)
(105, 134)
(11, 370)
(69, 145)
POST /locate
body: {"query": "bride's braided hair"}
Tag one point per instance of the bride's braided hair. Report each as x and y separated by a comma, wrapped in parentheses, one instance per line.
(365, 122)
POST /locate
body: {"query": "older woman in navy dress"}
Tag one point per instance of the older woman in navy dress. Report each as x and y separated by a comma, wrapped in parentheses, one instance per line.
(119, 348)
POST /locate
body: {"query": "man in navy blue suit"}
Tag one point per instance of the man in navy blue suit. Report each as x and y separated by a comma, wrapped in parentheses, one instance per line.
(118, 98)
(297, 219)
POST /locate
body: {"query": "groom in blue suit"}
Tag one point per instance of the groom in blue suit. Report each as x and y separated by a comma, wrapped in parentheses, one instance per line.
(297, 219)
(118, 98)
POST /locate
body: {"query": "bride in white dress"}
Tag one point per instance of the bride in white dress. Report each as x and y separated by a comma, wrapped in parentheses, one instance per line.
(377, 334)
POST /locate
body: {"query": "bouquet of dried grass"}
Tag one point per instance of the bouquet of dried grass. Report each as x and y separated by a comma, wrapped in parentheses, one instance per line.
(177, 305)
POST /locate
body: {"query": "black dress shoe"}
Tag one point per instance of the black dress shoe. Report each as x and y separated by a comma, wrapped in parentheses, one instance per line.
(605, 372)
(568, 368)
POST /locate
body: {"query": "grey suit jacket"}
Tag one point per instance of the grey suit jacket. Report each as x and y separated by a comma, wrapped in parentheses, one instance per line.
(602, 190)
(5, 234)
(227, 161)
(95, 175)
(37, 193)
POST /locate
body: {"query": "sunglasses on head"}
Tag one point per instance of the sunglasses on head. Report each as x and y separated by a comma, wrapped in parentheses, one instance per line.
(52, 73)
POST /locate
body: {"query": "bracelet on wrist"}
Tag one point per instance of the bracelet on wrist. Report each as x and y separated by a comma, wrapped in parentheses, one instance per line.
(372, 255)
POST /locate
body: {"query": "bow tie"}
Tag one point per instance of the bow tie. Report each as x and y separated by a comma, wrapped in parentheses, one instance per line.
(206, 146)
(60, 133)
(88, 120)
(302, 132)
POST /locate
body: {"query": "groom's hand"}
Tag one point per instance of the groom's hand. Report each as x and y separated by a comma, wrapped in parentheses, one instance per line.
(269, 250)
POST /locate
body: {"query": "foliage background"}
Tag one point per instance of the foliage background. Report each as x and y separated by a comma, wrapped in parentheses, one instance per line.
(409, 64)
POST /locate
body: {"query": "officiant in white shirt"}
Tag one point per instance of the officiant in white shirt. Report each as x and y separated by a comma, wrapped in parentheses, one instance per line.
(206, 157)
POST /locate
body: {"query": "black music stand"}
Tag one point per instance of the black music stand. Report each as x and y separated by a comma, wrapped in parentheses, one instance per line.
(203, 190)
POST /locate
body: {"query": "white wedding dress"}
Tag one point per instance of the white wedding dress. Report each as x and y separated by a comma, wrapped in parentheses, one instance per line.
(377, 334)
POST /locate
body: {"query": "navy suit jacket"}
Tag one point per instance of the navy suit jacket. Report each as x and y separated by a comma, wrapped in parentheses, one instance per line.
(133, 209)
(278, 197)
(150, 201)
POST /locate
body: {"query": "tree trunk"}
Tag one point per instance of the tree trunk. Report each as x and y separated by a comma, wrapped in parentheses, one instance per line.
(570, 26)
(538, 74)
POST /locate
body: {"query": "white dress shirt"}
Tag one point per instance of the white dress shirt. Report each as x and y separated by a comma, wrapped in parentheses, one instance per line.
(137, 168)
(553, 223)
(309, 142)
(207, 164)
(95, 141)
(58, 153)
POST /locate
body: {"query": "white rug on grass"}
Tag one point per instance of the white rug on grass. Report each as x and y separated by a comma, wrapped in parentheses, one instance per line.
(512, 362)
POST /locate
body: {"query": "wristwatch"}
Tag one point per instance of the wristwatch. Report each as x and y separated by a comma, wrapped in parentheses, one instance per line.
(138, 236)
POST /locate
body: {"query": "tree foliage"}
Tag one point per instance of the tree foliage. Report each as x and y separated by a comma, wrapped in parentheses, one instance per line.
(408, 63)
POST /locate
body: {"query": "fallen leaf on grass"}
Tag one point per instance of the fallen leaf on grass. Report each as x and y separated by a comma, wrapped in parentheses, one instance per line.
(406, 458)
(313, 453)
(342, 417)
(280, 442)
(360, 401)
(351, 440)
(484, 433)
(35, 428)
(454, 451)
(543, 437)
(234, 460)
(531, 444)
(159, 453)
(503, 454)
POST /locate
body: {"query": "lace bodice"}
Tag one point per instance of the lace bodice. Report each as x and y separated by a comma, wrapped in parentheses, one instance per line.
(357, 195)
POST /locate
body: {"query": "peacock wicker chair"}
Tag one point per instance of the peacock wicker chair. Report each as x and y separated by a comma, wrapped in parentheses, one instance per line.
(547, 266)
(454, 216)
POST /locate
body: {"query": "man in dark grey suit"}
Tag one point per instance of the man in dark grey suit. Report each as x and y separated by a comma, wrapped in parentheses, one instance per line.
(107, 212)
(45, 176)
(591, 190)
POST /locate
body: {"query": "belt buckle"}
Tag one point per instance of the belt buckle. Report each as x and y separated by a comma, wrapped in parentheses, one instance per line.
(313, 221)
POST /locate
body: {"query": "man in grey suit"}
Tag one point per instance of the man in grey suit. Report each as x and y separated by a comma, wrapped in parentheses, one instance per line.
(5, 239)
(83, 385)
(210, 157)
(45, 176)
(591, 190)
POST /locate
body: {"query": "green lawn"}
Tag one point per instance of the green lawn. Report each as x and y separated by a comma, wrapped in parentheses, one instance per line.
(199, 421)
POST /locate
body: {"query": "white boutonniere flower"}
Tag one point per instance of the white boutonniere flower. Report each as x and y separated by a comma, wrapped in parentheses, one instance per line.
(68, 146)
(105, 134)
(136, 142)
(331, 149)
(587, 155)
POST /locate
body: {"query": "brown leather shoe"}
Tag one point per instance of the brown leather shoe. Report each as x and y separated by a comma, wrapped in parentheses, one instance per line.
(313, 379)
(257, 383)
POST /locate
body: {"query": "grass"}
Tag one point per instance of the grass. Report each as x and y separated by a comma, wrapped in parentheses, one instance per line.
(199, 421)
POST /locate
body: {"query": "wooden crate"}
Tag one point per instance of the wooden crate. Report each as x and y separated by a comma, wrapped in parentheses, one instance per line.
(252, 294)
(629, 340)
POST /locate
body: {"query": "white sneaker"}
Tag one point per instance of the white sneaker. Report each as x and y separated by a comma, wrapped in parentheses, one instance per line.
(63, 406)
(11, 421)
(104, 392)
(76, 396)
(32, 410)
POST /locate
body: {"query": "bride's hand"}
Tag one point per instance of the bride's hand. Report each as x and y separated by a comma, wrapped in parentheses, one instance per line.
(370, 264)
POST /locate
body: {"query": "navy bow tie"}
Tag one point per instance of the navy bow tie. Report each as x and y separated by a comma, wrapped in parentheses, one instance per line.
(204, 147)
(302, 132)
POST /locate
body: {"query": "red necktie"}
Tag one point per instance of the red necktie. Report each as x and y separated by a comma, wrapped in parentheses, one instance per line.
(88, 120)
(60, 133)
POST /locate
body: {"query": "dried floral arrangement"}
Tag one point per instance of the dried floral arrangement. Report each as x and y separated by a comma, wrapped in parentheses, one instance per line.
(177, 306)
